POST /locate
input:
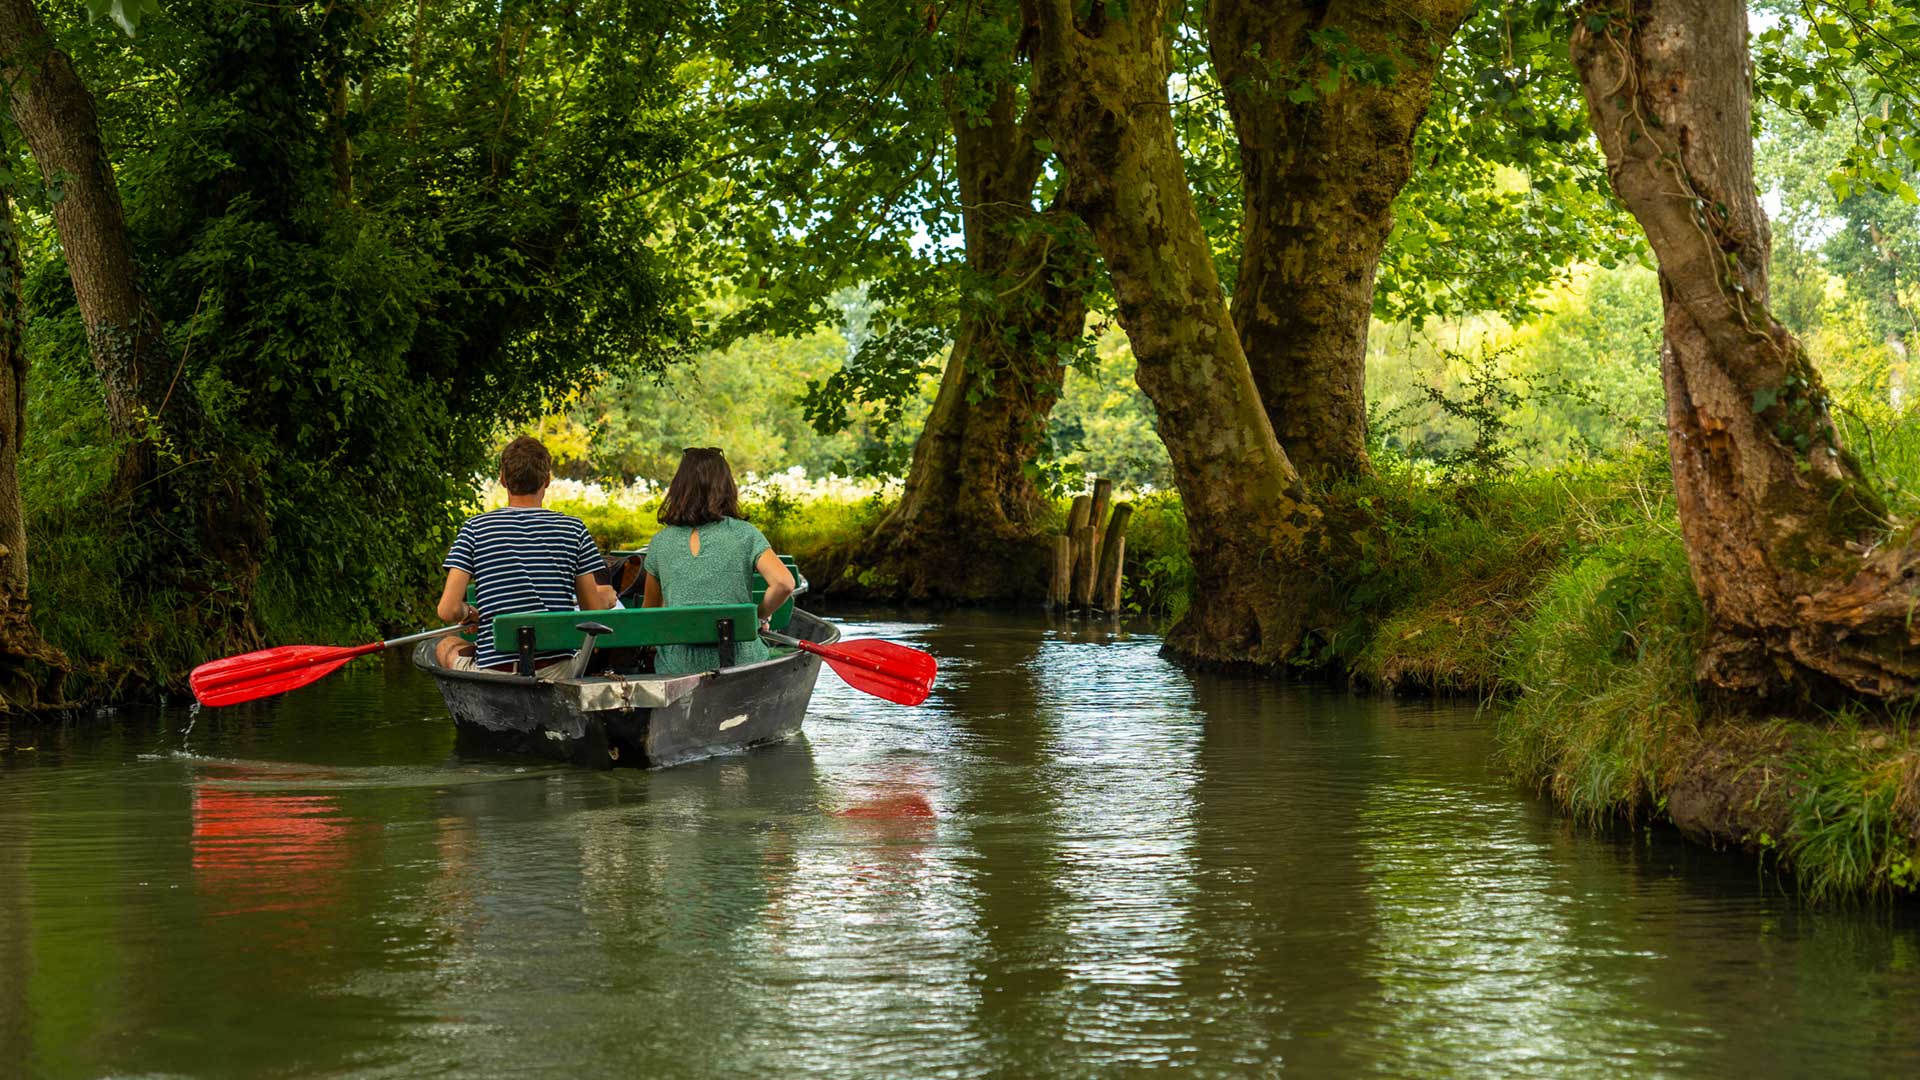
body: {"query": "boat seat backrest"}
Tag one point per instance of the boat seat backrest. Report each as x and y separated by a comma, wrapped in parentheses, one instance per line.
(700, 624)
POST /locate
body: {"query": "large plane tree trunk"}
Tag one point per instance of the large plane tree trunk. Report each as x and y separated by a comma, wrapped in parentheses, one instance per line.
(30, 669)
(1802, 580)
(1101, 85)
(965, 529)
(1320, 178)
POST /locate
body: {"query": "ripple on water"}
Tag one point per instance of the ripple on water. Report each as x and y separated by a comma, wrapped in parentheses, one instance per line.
(1120, 867)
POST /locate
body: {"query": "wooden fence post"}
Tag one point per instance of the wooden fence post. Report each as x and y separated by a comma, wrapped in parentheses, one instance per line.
(1102, 495)
(1112, 557)
(1062, 582)
(1077, 529)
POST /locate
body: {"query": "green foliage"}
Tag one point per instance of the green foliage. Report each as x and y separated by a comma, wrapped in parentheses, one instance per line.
(1855, 63)
(743, 399)
(1602, 667)
(1103, 425)
(1578, 382)
(1159, 570)
(1855, 790)
(1509, 192)
(372, 244)
(126, 14)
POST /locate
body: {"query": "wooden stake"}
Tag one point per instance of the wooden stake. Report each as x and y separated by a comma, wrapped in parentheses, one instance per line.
(1076, 524)
(1102, 495)
(1113, 550)
(1110, 584)
(1083, 568)
(1062, 581)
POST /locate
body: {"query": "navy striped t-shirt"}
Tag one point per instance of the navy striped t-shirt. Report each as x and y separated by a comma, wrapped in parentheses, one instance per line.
(522, 558)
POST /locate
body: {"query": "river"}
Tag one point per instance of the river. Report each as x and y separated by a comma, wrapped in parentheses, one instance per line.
(1074, 860)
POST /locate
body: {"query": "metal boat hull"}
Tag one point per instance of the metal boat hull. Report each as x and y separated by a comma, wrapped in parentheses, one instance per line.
(604, 721)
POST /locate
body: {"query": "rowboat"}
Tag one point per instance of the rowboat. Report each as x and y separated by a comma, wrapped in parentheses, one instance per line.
(610, 709)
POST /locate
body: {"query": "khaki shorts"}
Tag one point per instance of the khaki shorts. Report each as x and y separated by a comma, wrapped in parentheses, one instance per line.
(548, 671)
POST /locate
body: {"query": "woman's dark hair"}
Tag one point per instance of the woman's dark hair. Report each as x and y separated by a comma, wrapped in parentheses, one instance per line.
(702, 490)
(525, 466)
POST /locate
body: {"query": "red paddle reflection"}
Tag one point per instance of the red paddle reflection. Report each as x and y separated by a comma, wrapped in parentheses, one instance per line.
(256, 852)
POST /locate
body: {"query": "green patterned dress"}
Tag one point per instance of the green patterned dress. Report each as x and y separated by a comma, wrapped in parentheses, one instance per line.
(721, 574)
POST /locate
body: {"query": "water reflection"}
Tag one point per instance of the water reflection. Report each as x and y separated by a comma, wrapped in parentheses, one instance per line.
(1075, 860)
(258, 853)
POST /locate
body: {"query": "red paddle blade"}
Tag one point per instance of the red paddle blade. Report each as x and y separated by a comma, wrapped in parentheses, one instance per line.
(267, 672)
(884, 669)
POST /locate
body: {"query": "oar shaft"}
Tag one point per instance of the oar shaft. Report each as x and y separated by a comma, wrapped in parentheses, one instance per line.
(827, 652)
(264, 671)
(423, 635)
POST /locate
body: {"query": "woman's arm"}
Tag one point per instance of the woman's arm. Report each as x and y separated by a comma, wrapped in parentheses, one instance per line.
(453, 605)
(653, 598)
(779, 583)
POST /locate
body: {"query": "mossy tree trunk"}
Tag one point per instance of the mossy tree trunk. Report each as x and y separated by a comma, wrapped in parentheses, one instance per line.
(1789, 546)
(30, 670)
(199, 517)
(55, 113)
(966, 527)
(1320, 178)
(1101, 85)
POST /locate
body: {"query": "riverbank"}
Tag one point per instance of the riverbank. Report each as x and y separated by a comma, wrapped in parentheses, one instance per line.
(1565, 595)
(1562, 593)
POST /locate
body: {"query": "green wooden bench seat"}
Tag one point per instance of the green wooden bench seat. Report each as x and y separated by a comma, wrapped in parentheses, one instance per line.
(702, 624)
(632, 627)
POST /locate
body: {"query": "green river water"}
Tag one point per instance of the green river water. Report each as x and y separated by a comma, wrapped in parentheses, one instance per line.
(1075, 860)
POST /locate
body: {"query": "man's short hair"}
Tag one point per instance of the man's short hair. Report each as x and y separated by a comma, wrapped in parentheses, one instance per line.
(525, 466)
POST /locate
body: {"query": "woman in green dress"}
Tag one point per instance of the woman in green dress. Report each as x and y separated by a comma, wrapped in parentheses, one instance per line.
(705, 553)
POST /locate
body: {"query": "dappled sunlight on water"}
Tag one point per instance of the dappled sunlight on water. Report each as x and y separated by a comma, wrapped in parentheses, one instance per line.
(1074, 860)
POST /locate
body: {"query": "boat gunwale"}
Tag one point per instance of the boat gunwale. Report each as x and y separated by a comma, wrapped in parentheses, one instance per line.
(423, 658)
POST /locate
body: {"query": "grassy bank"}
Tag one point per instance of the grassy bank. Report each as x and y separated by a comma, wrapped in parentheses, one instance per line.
(1564, 594)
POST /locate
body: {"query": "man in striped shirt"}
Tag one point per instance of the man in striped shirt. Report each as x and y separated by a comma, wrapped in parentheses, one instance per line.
(521, 557)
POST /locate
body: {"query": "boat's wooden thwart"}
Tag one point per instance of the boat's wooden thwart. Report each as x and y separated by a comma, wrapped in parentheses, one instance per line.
(632, 718)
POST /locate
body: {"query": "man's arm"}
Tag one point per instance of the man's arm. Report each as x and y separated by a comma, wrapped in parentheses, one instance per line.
(453, 605)
(593, 596)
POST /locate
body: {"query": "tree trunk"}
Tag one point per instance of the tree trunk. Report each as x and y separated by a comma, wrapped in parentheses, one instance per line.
(1802, 584)
(1101, 85)
(201, 525)
(30, 669)
(55, 112)
(1320, 178)
(965, 528)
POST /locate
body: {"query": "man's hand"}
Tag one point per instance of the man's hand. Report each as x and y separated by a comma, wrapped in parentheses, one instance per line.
(469, 618)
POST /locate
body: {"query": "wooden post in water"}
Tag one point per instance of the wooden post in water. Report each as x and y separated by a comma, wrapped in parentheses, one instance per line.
(1077, 531)
(1112, 558)
(1102, 495)
(1062, 582)
(1085, 557)
(1113, 552)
